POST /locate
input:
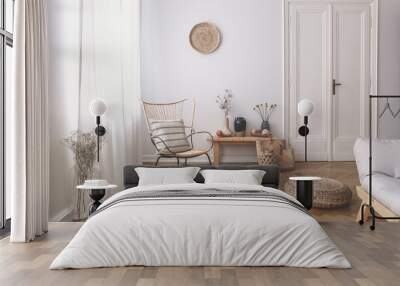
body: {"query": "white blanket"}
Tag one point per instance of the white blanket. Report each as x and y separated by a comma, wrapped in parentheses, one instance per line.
(200, 232)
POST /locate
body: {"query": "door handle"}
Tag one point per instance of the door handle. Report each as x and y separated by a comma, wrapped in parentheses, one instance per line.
(334, 85)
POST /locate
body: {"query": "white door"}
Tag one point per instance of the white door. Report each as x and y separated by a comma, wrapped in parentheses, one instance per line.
(309, 56)
(351, 69)
(329, 63)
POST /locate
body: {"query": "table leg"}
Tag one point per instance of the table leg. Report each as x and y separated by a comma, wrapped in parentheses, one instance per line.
(216, 157)
(304, 193)
(96, 195)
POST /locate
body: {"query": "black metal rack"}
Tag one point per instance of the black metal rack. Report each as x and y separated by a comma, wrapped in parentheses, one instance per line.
(369, 205)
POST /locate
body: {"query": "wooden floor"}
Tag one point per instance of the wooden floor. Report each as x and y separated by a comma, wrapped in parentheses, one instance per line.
(375, 256)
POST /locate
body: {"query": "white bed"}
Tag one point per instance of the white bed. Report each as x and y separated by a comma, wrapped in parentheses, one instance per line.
(205, 231)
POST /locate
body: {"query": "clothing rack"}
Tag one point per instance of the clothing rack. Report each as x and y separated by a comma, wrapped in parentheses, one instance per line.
(369, 205)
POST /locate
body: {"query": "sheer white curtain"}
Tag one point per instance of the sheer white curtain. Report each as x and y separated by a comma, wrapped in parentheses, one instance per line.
(109, 69)
(27, 123)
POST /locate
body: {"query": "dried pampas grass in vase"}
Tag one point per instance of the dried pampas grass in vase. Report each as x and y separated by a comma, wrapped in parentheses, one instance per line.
(84, 147)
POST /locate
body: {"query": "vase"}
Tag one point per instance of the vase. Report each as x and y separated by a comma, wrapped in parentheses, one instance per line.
(240, 126)
(265, 125)
(226, 131)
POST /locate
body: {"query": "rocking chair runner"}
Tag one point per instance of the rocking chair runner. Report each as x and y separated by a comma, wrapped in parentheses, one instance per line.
(174, 111)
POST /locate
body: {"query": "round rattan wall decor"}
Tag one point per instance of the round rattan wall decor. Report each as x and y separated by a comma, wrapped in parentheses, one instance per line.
(205, 38)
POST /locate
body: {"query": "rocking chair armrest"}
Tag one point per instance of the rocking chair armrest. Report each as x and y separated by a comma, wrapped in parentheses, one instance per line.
(163, 142)
(192, 131)
(201, 132)
(190, 128)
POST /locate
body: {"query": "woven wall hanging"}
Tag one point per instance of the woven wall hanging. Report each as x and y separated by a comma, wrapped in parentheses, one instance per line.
(205, 38)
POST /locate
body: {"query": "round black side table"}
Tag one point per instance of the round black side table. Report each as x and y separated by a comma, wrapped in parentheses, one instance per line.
(96, 193)
(304, 190)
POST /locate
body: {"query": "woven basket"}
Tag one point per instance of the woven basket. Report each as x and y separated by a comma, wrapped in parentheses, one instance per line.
(267, 158)
(268, 152)
(328, 193)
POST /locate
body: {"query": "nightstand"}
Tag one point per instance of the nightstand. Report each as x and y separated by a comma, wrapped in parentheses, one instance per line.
(96, 193)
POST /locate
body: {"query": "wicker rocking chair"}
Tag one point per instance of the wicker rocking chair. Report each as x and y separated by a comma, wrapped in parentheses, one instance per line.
(174, 111)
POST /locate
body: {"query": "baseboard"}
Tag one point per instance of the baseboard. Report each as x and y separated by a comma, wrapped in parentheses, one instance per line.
(61, 214)
(311, 156)
(321, 157)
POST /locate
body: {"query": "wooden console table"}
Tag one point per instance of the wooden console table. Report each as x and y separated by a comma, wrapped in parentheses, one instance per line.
(236, 140)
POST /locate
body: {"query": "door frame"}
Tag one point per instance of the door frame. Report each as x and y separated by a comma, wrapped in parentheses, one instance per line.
(374, 49)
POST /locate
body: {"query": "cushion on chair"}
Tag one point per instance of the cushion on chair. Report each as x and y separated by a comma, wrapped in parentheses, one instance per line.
(172, 132)
(191, 153)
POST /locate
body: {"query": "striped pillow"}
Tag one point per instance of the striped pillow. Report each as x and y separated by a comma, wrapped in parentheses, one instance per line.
(172, 132)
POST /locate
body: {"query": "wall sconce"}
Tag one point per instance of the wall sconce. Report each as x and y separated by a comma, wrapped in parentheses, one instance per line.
(305, 108)
(98, 108)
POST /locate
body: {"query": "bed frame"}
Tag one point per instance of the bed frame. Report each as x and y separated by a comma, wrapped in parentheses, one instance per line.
(380, 208)
(271, 177)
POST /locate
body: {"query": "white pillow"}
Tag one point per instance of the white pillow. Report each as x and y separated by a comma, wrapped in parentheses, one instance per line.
(166, 176)
(247, 177)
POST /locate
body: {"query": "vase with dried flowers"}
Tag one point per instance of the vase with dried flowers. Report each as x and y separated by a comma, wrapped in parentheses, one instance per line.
(84, 147)
(265, 111)
(225, 104)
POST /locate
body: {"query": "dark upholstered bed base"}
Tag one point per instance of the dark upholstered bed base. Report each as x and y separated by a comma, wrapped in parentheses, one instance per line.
(271, 178)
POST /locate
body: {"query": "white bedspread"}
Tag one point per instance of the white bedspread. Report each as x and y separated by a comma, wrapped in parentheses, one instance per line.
(200, 232)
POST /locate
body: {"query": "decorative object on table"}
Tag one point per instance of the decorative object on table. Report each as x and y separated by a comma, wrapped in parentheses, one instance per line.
(205, 38)
(269, 153)
(265, 111)
(327, 193)
(225, 104)
(220, 133)
(240, 126)
(305, 108)
(260, 133)
(84, 147)
(98, 108)
(173, 113)
(97, 190)
(304, 190)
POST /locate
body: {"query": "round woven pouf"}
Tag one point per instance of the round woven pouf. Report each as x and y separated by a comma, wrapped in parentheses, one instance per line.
(328, 193)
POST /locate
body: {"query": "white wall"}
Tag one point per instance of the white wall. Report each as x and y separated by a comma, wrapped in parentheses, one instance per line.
(389, 63)
(63, 100)
(249, 60)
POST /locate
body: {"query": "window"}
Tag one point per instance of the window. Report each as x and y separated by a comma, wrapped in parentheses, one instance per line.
(6, 44)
